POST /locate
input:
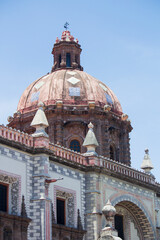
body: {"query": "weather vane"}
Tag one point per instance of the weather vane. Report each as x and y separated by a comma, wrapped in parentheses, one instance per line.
(66, 25)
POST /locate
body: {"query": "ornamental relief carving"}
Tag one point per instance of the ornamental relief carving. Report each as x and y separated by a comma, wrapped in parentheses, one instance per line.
(7, 179)
(70, 208)
(13, 183)
(61, 194)
(14, 197)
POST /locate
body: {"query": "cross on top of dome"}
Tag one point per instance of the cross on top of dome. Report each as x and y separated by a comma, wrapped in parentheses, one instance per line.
(66, 25)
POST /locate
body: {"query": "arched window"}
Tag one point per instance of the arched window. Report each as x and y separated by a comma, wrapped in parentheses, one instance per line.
(112, 153)
(75, 145)
(76, 59)
(117, 154)
(68, 60)
(59, 60)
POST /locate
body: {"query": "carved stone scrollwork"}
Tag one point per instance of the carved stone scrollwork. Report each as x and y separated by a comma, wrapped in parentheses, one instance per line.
(14, 197)
(13, 182)
(63, 194)
(70, 208)
(7, 179)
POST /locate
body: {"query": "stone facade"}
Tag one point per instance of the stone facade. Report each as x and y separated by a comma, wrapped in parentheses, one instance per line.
(96, 179)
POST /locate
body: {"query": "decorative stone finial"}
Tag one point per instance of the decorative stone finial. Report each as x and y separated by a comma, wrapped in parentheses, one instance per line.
(146, 151)
(109, 211)
(147, 164)
(108, 233)
(124, 117)
(40, 122)
(107, 108)
(90, 141)
(90, 125)
(23, 208)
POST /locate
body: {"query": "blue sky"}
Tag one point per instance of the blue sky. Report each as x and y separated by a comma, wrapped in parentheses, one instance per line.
(121, 47)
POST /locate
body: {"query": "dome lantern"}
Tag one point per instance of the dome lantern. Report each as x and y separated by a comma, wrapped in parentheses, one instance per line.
(66, 52)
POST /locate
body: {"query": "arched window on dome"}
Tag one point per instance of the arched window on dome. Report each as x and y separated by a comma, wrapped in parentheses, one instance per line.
(68, 60)
(75, 145)
(112, 152)
(76, 59)
(59, 59)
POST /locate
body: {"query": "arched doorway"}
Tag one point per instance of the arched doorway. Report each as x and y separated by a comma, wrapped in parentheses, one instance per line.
(132, 220)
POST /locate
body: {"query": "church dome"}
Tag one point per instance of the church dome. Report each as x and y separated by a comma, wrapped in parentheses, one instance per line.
(67, 84)
(72, 98)
(70, 87)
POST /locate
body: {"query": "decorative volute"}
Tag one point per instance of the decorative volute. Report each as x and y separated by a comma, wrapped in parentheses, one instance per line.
(147, 164)
(66, 52)
(90, 141)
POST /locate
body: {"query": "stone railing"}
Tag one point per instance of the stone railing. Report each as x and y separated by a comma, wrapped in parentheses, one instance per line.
(125, 170)
(16, 135)
(68, 154)
(67, 232)
(101, 161)
(13, 227)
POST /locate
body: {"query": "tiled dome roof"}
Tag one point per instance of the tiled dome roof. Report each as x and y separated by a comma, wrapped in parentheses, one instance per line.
(72, 87)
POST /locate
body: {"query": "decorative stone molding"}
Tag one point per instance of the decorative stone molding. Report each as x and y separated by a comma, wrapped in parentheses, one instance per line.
(14, 182)
(64, 195)
(7, 179)
(70, 198)
(14, 197)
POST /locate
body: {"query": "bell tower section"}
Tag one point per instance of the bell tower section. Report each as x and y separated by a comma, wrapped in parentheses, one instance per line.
(66, 53)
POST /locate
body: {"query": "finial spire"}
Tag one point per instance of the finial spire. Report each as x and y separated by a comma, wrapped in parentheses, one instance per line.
(109, 232)
(66, 25)
(40, 122)
(23, 208)
(147, 164)
(90, 141)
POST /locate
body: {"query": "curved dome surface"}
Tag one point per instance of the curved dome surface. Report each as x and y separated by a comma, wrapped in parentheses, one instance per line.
(72, 87)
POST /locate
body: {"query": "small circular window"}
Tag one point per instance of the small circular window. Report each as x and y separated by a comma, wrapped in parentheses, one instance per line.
(75, 145)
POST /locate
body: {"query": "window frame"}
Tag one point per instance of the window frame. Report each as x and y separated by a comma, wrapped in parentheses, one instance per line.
(64, 200)
(68, 59)
(7, 197)
(79, 145)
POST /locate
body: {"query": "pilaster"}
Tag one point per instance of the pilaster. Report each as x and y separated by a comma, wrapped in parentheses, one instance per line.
(40, 207)
(93, 208)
